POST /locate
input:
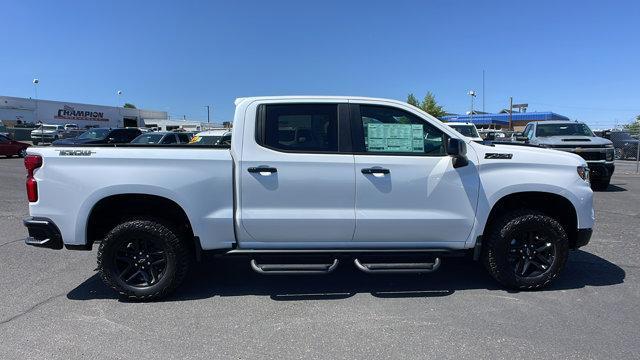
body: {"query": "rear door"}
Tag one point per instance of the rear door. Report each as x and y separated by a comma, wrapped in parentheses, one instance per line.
(407, 190)
(296, 186)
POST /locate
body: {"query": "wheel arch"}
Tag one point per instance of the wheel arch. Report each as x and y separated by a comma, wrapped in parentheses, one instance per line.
(551, 204)
(111, 210)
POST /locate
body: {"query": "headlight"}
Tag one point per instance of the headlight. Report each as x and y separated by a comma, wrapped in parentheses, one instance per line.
(609, 154)
(583, 172)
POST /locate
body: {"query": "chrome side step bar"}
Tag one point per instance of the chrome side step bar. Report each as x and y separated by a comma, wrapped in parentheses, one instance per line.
(281, 269)
(378, 268)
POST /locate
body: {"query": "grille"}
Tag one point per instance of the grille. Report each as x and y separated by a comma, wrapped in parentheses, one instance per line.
(592, 155)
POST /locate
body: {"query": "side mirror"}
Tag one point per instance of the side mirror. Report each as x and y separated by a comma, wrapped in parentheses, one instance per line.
(457, 149)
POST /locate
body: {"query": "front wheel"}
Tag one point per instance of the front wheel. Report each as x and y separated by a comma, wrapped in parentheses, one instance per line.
(618, 154)
(143, 259)
(526, 250)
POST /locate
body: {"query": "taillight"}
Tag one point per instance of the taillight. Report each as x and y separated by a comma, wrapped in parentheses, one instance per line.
(31, 163)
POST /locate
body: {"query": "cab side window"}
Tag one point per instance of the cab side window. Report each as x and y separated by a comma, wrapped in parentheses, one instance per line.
(388, 130)
(299, 127)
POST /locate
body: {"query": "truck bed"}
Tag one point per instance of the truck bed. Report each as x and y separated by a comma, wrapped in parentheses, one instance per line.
(198, 177)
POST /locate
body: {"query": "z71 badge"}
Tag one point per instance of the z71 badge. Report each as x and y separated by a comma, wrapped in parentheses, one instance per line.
(498, 156)
(76, 152)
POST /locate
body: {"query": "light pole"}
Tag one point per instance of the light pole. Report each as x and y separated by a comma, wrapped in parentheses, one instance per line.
(472, 94)
(35, 82)
(208, 118)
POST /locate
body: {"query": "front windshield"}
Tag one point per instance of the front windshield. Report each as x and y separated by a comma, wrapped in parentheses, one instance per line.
(568, 129)
(466, 130)
(94, 134)
(147, 139)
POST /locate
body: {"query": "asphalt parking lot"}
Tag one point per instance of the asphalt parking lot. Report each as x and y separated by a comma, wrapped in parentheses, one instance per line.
(54, 306)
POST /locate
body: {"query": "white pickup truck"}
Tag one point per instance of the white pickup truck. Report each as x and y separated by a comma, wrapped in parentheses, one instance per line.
(309, 184)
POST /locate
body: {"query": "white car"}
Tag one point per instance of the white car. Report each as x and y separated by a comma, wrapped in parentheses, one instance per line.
(47, 134)
(309, 184)
(466, 129)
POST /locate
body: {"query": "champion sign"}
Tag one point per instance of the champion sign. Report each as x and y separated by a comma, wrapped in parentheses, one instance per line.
(68, 112)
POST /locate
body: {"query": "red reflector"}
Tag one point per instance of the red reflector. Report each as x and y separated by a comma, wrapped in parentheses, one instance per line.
(32, 189)
(31, 163)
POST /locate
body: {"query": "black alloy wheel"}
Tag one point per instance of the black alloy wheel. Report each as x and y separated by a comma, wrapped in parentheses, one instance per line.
(531, 254)
(140, 262)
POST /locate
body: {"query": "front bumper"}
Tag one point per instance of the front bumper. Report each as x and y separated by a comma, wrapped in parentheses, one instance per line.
(600, 169)
(43, 233)
(582, 237)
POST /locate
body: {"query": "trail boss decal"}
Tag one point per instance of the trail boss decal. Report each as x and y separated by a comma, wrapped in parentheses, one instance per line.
(76, 152)
(498, 156)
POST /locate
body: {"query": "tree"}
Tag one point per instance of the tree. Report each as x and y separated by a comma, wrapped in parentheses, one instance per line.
(412, 100)
(129, 106)
(428, 104)
(634, 127)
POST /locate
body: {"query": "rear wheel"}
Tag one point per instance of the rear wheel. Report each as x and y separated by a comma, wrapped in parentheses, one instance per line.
(143, 259)
(526, 250)
(22, 153)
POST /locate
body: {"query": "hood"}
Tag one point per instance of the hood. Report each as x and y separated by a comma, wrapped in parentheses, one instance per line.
(38, 131)
(573, 140)
(530, 154)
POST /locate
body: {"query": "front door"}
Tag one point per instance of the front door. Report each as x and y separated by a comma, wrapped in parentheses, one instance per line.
(407, 190)
(295, 185)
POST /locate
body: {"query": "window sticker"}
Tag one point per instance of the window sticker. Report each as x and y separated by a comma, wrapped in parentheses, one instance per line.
(395, 138)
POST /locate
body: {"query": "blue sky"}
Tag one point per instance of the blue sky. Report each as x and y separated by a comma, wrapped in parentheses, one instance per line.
(577, 58)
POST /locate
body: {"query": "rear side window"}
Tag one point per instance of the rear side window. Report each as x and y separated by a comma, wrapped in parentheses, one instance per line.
(299, 127)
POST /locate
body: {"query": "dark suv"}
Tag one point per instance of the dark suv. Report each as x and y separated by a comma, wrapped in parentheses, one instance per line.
(102, 136)
(625, 145)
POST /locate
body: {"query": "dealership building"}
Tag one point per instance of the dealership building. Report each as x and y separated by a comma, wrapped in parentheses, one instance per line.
(14, 110)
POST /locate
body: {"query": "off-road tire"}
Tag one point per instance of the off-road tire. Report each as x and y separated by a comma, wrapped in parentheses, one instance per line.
(496, 248)
(178, 258)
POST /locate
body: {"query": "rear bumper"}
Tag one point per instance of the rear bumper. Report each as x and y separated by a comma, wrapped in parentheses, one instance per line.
(43, 233)
(582, 237)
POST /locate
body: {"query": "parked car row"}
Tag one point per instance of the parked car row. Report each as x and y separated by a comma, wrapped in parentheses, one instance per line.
(55, 134)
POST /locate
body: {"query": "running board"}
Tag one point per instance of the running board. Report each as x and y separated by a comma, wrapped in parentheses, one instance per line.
(378, 268)
(280, 269)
